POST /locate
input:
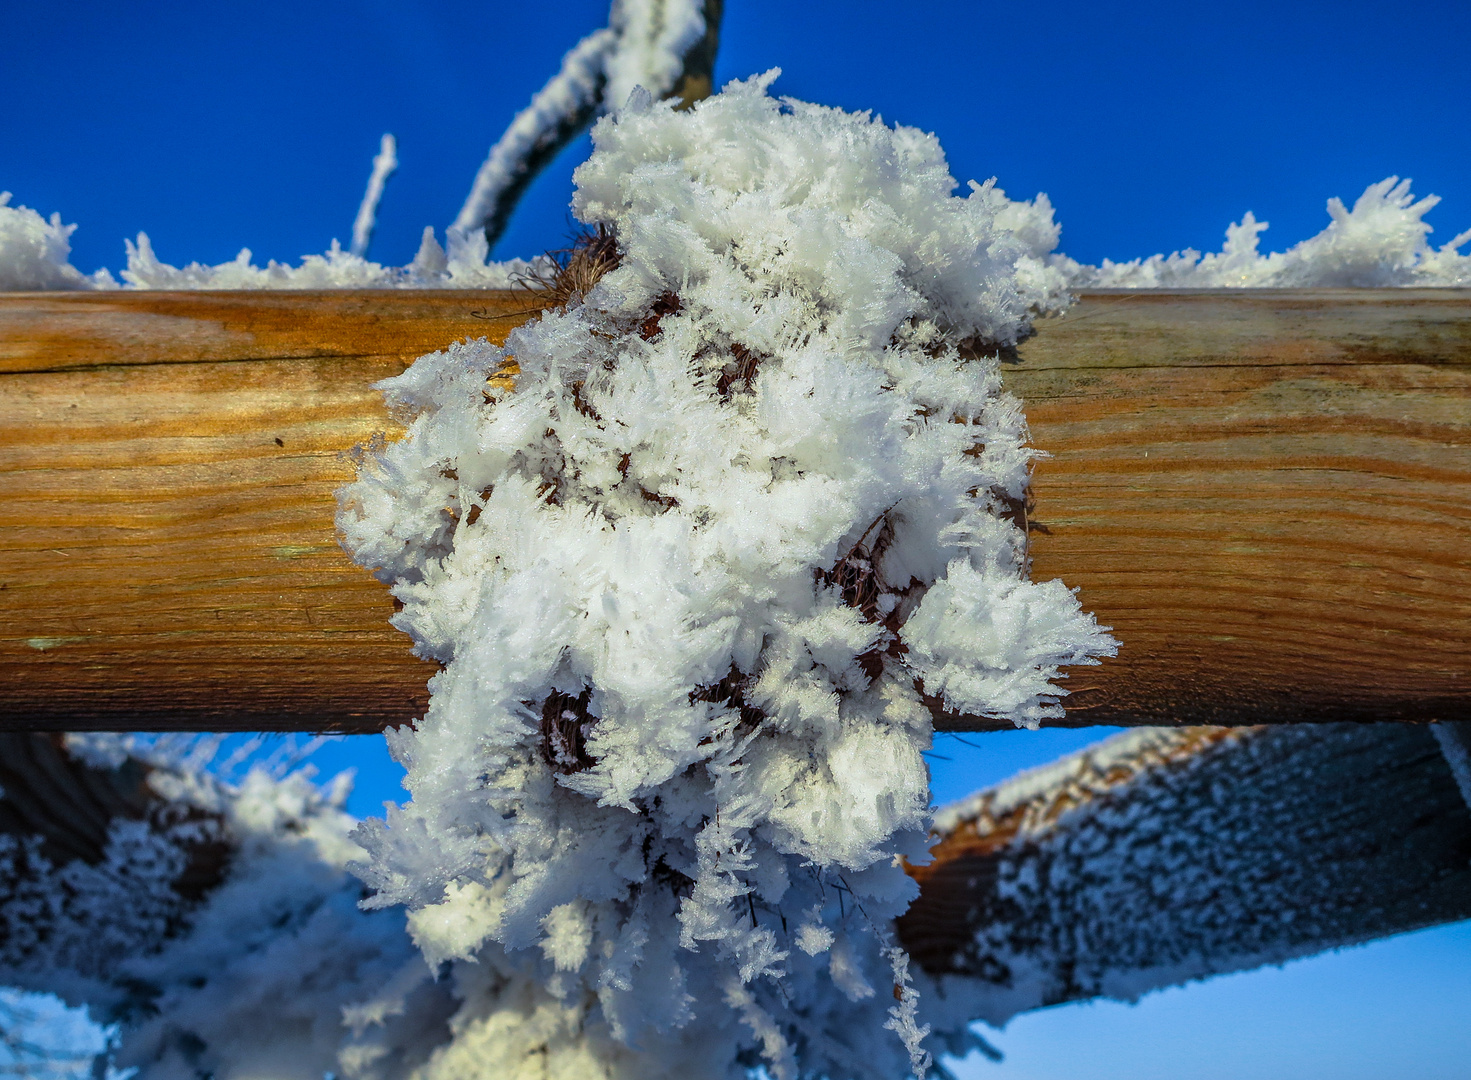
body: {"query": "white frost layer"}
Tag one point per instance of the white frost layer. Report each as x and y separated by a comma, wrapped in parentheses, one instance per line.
(1380, 243)
(36, 253)
(276, 975)
(686, 582)
(464, 266)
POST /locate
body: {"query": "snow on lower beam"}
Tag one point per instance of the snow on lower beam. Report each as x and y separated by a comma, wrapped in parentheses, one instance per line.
(1162, 856)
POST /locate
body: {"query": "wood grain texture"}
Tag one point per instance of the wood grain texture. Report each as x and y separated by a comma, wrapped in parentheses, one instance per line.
(167, 466)
(1266, 494)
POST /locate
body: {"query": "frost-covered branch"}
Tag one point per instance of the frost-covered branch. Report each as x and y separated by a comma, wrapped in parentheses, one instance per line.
(558, 113)
(384, 163)
(1166, 855)
(666, 47)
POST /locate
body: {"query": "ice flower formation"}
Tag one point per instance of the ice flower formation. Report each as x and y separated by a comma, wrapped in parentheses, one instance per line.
(699, 553)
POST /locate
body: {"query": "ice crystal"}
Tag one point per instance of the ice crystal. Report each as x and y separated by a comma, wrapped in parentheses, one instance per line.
(689, 581)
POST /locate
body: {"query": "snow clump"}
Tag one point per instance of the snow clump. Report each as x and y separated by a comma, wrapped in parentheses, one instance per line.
(699, 553)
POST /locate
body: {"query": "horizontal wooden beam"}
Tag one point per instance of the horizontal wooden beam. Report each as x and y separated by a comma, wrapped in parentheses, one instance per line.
(1266, 494)
(1163, 856)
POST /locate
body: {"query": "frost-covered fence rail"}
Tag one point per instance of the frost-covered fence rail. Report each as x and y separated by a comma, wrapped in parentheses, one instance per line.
(1153, 858)
(1267, 494)
(1161, 856)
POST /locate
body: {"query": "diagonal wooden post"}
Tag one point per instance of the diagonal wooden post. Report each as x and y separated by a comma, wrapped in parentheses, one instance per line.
(1267, 494)
(1159, 857)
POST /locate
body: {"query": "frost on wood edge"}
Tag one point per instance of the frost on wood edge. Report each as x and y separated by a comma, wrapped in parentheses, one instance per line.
(1382, 241)
(690, 579)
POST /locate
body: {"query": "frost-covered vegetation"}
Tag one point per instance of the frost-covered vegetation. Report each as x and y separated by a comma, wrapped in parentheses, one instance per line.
(701, 552)
(1382, 242)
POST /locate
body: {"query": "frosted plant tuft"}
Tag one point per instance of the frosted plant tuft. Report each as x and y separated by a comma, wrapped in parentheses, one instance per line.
(693, 552)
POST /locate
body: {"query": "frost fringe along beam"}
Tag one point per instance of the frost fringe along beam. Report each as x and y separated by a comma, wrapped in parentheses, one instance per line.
(1266, 493)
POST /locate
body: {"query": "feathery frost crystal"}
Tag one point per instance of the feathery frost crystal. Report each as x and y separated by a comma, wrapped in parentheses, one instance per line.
(1380, 243)
(690, 580)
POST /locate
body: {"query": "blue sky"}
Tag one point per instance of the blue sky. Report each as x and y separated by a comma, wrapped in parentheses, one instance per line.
(1151, 125)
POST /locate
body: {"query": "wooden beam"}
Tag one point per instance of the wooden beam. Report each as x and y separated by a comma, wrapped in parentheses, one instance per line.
(1154, 858)
(1163, 856)
(1267, 494)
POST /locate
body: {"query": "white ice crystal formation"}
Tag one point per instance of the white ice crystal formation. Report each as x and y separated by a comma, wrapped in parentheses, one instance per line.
(1114, 871)
(1380, 243)
(692, 581)
(1163, 855)
(464, 265)
(36, 253)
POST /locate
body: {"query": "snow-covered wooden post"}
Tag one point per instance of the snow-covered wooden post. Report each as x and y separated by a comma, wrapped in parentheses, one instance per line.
(1266, 493)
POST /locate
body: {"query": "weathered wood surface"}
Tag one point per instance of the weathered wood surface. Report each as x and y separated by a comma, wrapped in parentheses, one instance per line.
(1266, 494)
(1163, 856)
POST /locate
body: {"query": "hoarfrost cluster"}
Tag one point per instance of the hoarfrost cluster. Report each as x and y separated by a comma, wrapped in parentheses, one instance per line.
(692, 553)
(221, 934)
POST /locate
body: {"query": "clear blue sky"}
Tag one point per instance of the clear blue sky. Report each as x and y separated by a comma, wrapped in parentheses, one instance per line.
(1150, 124)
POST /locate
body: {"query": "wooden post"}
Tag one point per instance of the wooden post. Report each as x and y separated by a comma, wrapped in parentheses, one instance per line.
(1267, 494)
